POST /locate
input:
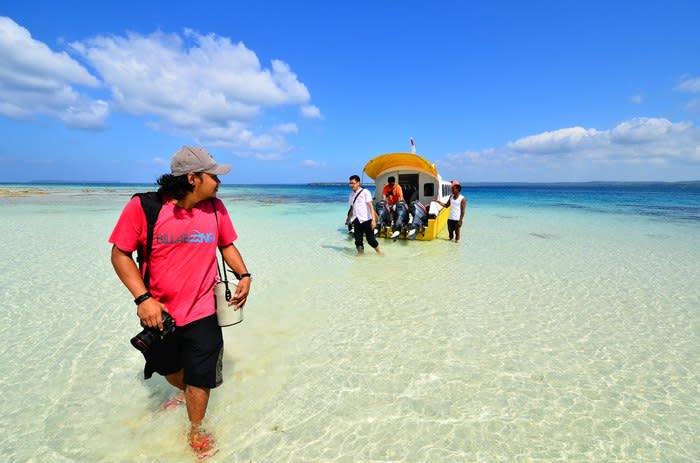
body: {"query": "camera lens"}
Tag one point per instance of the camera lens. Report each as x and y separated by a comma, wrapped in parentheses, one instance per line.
(148, 336)
(143, 340)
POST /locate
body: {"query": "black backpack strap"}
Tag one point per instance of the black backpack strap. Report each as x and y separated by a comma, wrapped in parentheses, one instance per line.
(151, 204)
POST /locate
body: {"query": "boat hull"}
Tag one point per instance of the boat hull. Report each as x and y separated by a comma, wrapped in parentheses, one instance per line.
(435, 226)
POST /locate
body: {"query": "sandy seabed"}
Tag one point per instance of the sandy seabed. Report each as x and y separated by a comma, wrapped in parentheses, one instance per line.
(544, 336)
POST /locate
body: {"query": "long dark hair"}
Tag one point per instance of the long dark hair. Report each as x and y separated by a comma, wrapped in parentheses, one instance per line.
(174, 187)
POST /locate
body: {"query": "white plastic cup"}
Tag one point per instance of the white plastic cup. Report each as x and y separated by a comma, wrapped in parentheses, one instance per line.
(226, 314)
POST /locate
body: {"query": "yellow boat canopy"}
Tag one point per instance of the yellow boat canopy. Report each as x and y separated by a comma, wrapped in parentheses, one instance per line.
(399, 161)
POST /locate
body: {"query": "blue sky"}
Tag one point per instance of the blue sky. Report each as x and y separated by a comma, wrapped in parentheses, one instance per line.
(294, 92)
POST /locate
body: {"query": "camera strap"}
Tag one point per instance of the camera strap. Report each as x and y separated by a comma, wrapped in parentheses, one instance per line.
(353, 202)
(356, 195)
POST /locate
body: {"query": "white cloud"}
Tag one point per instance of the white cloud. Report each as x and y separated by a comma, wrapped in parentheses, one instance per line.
(467, 157)
(644, 130)
(310, 163)
(286, 128)
(311, 112)
(294, 90)
(575, 153)
(203, 86)
(34, 80)
(242, 141)
(271, 156)
(557, 141)
(637, 99)
(86, 115)
(693, 105)
(30, 64)
(637, 137)
(690, 85)
(191, 85)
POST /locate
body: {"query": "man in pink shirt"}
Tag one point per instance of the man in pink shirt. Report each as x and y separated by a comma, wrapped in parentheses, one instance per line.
(182, 267)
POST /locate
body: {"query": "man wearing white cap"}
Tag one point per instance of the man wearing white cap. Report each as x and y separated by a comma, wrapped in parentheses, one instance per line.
(192, 225)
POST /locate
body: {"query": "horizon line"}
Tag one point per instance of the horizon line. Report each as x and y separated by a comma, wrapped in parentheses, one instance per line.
(338, 183)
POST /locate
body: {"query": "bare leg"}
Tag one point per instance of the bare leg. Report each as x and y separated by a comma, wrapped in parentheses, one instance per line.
(197, 399)
(457, 227)
(176, 380)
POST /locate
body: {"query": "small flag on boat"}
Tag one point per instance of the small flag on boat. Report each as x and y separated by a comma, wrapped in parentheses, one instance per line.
(413, 145)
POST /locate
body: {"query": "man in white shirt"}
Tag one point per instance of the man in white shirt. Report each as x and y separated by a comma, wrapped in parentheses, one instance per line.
(362, 215)
(458, 205)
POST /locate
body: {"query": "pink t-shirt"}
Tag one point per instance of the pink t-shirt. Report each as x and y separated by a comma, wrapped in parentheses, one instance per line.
(183, 259)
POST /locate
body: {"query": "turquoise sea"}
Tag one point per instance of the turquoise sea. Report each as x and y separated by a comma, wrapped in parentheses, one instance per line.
(565, 327)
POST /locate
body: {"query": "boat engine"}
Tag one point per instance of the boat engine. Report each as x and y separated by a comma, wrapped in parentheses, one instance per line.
(383, 216)
(420, 218)
(401, 220)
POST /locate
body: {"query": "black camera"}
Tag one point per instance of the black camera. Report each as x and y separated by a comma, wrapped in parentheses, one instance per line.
(148, 336)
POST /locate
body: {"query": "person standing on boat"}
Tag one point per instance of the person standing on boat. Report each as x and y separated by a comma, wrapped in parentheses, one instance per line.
(182, 267)
(457, 204)
(362, 215)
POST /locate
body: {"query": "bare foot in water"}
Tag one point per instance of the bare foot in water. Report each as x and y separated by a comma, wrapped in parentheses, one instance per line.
(174, 402)
(202, 443)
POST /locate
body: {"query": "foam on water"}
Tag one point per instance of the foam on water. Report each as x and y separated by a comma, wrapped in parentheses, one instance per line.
(548, 334)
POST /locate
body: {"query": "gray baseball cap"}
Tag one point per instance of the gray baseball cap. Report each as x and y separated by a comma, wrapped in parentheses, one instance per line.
(196, 159)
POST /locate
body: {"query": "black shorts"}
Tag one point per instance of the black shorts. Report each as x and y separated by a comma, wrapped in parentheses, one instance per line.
(197, 348)
(452, 225)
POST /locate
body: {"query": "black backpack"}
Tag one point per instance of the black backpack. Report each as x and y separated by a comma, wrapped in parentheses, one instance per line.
(151, 204)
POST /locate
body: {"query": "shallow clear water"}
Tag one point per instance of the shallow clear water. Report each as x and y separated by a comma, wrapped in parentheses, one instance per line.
(565, 326)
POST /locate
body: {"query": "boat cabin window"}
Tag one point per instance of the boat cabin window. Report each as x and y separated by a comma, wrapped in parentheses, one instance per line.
(446, 190)
(428, 190)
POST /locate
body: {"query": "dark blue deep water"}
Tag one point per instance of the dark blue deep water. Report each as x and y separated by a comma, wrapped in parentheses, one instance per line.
(662, 201)
(657, 201)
